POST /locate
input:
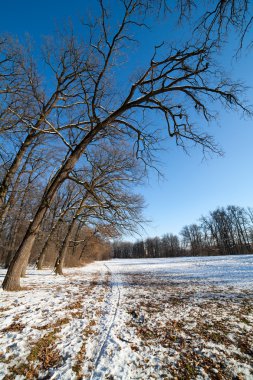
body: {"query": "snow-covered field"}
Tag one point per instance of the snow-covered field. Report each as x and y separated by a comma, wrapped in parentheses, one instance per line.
(184, 318)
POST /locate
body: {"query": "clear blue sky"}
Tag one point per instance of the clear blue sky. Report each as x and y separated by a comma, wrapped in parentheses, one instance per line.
(192, 187)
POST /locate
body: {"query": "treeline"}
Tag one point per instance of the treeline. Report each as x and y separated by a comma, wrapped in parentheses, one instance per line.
(225, 231)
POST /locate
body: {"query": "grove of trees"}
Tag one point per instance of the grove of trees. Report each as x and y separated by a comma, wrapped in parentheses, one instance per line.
(71, 135)
(225, 231)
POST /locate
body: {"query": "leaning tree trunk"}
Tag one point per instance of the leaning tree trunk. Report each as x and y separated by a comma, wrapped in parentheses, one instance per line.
(83, 250)
(12, 237)
(8, 258)
(75, 238)
(12, 278)
(54, 226)
(64, 249)
(11, 201)
(24, 268)
(9, 204)
(85, 246)
(58, 268)
(5, 184)
(19, 156)
(40, 261)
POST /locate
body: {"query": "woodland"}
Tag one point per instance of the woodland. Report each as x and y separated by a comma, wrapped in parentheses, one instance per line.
(225, 231)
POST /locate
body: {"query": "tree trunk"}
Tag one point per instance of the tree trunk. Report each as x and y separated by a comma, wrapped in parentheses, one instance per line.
(64, 249)
(58, 268)
(11, 201)
(8, 258)
(40, 261)
(83, 250)
(76, 238)
(12, 278)
(24, 268)
(22, 150)
(12, 171)
(13, 234)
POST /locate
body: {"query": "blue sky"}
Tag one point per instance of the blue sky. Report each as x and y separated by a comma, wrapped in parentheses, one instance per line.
(192, 187)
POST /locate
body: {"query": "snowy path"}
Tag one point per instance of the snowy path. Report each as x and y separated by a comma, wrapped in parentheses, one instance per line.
(187, 318)
(113, 304)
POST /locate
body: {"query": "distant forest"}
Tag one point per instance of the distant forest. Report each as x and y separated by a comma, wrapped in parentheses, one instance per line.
(225, 231)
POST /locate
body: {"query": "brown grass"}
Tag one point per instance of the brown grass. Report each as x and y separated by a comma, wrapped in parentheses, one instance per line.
(2, 309)
(15, 326)
(59, 322)
(75, 305)
(43, 356)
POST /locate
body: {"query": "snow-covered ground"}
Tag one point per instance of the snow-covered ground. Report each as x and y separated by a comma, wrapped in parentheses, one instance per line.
(183, 318)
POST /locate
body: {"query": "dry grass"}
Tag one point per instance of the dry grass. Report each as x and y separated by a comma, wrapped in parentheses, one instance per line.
(78, 304)
(43, 355)
(15, 326)
(59, 322)
(44, 351)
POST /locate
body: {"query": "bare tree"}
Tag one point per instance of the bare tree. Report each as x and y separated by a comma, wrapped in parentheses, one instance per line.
(193, 239)
(170, 245)
(67, 202)
(29, 108)
(108, 200)
(217, 17)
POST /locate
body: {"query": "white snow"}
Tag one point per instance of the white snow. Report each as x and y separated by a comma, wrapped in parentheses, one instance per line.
(185, 318)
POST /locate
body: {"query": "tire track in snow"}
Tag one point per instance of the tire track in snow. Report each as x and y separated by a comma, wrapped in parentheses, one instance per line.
(96, 374)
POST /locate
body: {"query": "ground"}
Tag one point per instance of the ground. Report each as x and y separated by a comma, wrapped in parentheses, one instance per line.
(184, 318)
